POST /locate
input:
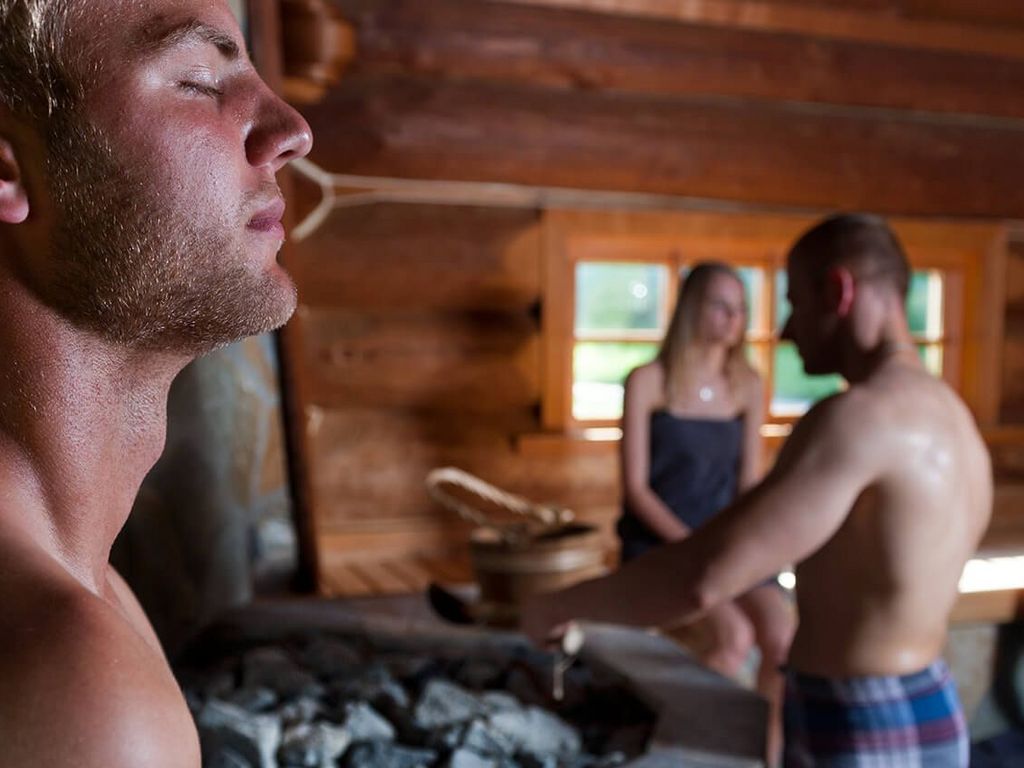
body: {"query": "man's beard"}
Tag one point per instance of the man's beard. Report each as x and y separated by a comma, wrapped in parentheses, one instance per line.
(133, 266)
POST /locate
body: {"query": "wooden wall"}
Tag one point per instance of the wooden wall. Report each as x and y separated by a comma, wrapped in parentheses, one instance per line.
(421, 348)
(418, 339)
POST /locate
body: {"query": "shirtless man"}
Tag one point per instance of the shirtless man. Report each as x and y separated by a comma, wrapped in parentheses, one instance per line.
(139, 227)
(880, 496)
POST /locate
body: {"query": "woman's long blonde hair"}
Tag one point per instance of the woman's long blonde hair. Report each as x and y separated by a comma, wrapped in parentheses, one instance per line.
(677, 347)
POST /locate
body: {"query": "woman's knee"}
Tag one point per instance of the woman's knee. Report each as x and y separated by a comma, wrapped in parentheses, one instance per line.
(774, 625)
(775, 637)
(735, 637)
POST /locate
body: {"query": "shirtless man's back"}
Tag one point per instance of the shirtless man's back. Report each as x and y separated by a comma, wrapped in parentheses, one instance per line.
(875, 599)
(140, 221)
(880, 496)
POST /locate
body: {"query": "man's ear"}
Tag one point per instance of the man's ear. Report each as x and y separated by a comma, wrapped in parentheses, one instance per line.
(13, 195)
(841, 289)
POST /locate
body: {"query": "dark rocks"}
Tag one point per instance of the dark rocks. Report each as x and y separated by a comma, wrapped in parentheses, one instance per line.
(479, 674)
(528, 687)
(481, 737)
(252, 698)
(465, 758)
(445, 703)
(363, 723)
(301, 710)
(321, 703)
(226, 758)
(218, 685)
(498, 701)
(378, 754)
(537, 733)
(328, 657)
(374, 684)
(273, 668)
(313, 746)
(225, 727)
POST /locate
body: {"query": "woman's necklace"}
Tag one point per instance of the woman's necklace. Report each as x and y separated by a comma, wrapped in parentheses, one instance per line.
(706, 394)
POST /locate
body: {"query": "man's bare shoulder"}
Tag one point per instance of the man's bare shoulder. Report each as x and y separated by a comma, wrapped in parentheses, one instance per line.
(908, 430)
(69, 658)
(912, 404)
(841, 420)
(883, 405)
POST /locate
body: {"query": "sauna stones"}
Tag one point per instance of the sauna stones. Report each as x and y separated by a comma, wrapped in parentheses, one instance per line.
(321, 702)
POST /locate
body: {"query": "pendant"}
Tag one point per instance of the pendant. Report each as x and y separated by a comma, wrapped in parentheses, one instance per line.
(706, 394)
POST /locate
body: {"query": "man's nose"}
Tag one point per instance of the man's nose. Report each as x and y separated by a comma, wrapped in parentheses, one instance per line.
(787, 330)
(280, 134)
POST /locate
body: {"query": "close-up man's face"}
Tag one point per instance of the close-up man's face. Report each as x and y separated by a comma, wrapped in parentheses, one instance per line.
(162, 180)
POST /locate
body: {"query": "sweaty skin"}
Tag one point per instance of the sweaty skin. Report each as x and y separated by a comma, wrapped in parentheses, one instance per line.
(875, 599)
(880, 496)
(176, 142)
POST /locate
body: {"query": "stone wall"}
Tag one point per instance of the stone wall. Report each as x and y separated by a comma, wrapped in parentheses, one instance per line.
(212, 523)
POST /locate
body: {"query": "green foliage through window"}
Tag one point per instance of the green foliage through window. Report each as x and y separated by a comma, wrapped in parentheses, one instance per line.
(618, 302)
(599, 370)
(619, 297)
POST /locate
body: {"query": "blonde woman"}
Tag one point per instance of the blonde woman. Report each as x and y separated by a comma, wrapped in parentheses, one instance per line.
(690, 443)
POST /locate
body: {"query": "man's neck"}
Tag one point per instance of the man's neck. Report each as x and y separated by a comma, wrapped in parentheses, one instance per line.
(894, 348)
(81, 423)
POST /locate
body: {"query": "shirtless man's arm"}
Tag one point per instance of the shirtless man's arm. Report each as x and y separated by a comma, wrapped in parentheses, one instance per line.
(822, 469)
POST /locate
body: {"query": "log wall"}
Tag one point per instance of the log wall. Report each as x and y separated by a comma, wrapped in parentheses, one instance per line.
(419, 342)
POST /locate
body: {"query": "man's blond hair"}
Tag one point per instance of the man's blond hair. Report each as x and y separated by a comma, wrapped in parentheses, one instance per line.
(33, 72)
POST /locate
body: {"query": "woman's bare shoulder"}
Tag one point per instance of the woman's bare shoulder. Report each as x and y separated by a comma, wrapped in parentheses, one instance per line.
(749, 379)
(649, 377)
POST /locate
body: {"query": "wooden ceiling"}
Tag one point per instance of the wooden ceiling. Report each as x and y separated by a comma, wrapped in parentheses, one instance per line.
(896, 106)
(945, 24)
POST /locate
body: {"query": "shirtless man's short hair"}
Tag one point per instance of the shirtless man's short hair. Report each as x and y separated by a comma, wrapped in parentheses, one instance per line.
(861, 242)
(879, 497)
(139, 228)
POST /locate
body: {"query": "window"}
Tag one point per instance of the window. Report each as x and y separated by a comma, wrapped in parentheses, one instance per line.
(623, 309)
(620, 315)
(611, 280)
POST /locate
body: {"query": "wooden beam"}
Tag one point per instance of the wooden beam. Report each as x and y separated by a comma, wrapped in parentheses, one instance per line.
(318, 45)
(406, 258)
(721, 149)
(556, 48)
(472, 362)
(995, 12)
(834, 19)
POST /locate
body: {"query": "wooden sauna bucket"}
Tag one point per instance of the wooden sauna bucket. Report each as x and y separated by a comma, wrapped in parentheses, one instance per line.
(544, 550)
(509, 571)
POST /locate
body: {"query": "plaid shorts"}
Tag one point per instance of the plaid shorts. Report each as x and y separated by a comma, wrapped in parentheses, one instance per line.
(913, 721)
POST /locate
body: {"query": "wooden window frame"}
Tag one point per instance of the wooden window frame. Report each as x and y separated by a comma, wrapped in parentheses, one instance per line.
(970, 256)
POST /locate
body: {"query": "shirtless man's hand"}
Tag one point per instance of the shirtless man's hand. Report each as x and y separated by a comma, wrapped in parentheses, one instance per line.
(139, 228)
